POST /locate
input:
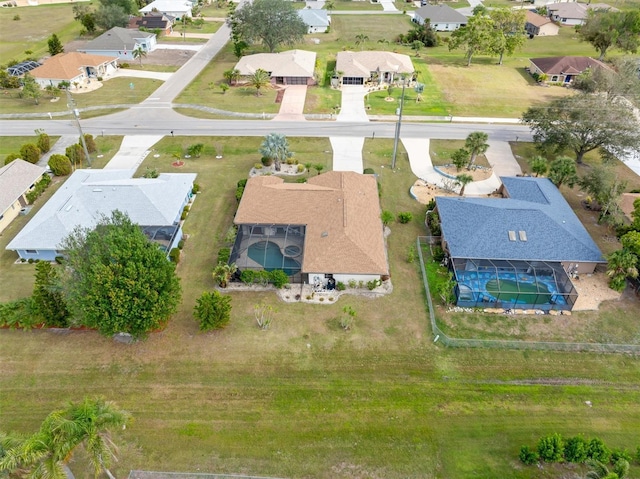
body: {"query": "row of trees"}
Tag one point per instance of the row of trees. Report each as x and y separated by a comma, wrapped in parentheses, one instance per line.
(605, 29)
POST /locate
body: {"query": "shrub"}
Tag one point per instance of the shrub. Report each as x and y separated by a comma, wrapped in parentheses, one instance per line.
(38, 189)
(551, 448)
(258, 166)
(352, 283)
(528, 456)
(60, 165)
(186, 208)
(279, 278)
(90, 142)
(373, 284)
(620, 454)
(437, 253)
(59, 259)
(368, 171)
(212, 310)
(239, 193)
(405, 217)
(386, 217)
(10, 157)
(184, 215)
(598, 451)
(576, 449)
(18, 314)
(181, 244)
(30, 152)
(30, 261)
(248, 276)
(196, 189)
(266, 161)
(261, 277)
(300, 168)
(242, 183)
(340, 286)
(151, 172)
(174, 255)
(75, 153)
(411, 253)
(292, 161)
(124, 65)
(301, 180)
(44, 142)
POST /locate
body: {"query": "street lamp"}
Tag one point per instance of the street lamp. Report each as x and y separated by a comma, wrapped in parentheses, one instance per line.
(397, 136)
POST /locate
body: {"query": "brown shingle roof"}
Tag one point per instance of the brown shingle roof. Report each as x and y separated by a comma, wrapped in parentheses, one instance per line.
(536, 20)
(565, 65)
(67, 66)
(341, 211)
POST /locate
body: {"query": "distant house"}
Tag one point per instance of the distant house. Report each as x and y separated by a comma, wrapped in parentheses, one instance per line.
(316, 20)
(75, 68)
(293, 67)
(516, 252)
(16, 180)
(153, 203)
(537, 25)
(152, 21)
(120, 42)
(442, 17)
(563, 69)
(357, 68)
(323, 231)
(174, 8)
(574, 13)
(21, 68)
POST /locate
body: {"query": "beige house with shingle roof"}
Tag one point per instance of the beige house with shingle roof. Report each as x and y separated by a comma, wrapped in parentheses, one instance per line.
(326, 229)
(16, 180)
(357, 68)
(293, 67)
(539, 26)
(563, 69)
(74, 67)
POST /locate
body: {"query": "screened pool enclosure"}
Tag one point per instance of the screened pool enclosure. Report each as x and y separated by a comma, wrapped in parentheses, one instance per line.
(269, 247)
(512, 284)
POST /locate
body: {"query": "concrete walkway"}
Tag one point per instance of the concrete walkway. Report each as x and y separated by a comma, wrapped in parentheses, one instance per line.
(292, 106)
(347, 153)
(59, 148)
(133, 150)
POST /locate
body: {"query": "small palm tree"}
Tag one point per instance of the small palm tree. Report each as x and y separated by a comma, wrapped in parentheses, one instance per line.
(477, 144)
(139, 53)
(361, 39)
(260, 79)
(231, 76)
(463, 180)
(384, 42)
(223, 272)
(329, 5)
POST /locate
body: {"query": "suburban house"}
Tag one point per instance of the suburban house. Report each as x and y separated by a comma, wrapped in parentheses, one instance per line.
(74, 67)
(21, 68)
(327, 230)
(563, 69)
(174, 8)
(16, 180)
(516, 252)
(442, 17)
(153, 203)
(152, 21)
(574, 13)
(358, 68)
(120, 42)
(293, 67)
(539, 26)
(316, 20)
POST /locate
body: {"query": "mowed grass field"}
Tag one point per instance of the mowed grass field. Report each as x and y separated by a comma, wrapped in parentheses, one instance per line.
(307, 399)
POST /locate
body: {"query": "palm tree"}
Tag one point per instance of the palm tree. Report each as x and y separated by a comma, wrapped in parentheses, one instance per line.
(477, 144)
(232, 76)
(259, 79)
(361, 39)
(463, 180)
(384, 42)
(276, 147)
(139, 53)
(329, 5)
(223, 272)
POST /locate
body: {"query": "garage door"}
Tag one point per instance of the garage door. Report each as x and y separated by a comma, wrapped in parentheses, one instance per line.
(352, 81)
(296, 80)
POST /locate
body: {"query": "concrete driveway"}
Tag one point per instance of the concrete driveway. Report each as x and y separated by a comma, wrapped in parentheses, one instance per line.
(126, 72)
(501, 159)
(352, 104)
(347, 153)
(132, 152)
(292, 106)
(388, 6)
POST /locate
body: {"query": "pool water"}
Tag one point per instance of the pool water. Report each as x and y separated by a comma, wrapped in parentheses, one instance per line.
(530, 293)
(268, 254)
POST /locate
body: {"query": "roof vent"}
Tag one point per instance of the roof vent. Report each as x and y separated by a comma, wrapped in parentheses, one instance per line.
(512, 235)
(68, 208)
(97, 190)
(324, 234)
(522, 235)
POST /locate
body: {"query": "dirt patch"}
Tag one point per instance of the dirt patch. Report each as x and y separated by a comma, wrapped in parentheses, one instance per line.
(424, 192)
(592, 290)
(477, 174)
(160, 56)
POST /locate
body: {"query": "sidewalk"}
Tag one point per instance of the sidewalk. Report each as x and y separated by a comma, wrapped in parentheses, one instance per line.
(58, 149)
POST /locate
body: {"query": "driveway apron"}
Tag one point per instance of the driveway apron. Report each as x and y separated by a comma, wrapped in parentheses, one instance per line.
(292, 106)
(347, 153)
(133, 151)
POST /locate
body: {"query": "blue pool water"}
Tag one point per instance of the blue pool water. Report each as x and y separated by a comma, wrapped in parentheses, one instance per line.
(268, 254)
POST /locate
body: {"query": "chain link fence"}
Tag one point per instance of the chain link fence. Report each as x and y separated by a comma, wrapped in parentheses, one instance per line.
(187, 475)
(440, 336)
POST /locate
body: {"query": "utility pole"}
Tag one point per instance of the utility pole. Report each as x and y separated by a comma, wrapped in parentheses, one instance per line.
(397, 136)
(71, 104)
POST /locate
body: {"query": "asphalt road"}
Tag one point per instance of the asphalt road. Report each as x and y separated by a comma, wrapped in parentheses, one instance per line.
(163, 121)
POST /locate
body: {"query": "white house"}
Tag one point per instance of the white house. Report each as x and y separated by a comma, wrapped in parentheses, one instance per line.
(120, 42)
(442, 17)
(317, 20)
(155, 204)
(173, 8)
(75, 68)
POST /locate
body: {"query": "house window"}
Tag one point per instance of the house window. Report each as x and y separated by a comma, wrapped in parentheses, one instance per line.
(1, 216)
(554, 78)
(31, 251)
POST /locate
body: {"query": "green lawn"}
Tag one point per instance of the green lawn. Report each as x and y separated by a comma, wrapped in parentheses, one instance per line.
(306, 399)
(355, 5)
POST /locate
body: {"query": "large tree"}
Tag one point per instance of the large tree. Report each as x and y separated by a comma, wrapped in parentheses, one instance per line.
(117, 280)
(475, 37)
(47, 295)
(621, 80)
(272, 22)
(583, 123)
(109, 16)
(55, 45)
(508, 33)
(611, 29)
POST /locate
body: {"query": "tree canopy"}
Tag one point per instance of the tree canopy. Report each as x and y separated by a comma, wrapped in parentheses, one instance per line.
(276, 147)
(117, 280)
(111, 15)
(475, 37)
(272, 22)
(55, 45)
(508, 33)
(611, 29)
(584, 122)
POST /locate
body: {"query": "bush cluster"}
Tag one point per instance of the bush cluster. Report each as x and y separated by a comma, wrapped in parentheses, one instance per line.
(277, 277)
(433, 222)
(404, 217)
(60, 165)
(38, 189)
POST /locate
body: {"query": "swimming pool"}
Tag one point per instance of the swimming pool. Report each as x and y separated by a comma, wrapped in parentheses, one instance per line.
(268, 254)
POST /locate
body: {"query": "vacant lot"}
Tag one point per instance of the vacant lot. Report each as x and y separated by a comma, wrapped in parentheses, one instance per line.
(306, 399)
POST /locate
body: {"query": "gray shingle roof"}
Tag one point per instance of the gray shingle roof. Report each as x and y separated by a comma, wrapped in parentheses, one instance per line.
(314, 17)
(116, 39)
(479, 227)
(15, 179)
(440, 14)
(88, 194)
